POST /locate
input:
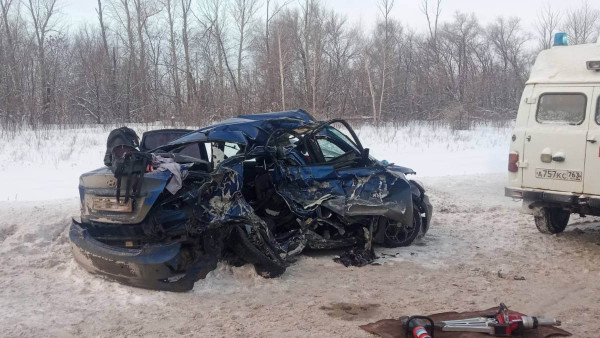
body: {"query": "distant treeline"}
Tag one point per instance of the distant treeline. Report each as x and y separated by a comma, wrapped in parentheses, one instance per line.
(195, 61)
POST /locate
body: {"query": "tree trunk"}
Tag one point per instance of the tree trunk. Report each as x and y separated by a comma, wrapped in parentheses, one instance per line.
(174, 66)
(281, 75)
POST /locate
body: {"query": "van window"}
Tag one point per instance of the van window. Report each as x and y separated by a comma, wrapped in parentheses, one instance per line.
(561, 108)
(598, 111)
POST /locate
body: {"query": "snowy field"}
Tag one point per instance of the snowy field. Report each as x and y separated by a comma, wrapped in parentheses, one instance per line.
(479, 252)
(46, 164)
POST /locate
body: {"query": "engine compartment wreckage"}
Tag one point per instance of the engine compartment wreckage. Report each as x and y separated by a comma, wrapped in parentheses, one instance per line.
(254, 189)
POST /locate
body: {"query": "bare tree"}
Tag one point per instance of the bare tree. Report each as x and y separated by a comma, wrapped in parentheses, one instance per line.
(149, 59)
(42, 14)
(212, 20)
(243, 12)
(170, 6)
(581, 24)
(546, 25)
(270, 15)
(100, 12)
(371, 90)
(186, 6)
(308, 9)
(385, 8)
(281, 69)
(13, 99)
(508, 41)
(125, 19)
(144, 10)
(432, 15)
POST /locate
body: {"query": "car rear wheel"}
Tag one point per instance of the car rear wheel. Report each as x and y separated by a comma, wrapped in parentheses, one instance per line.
(260, 252)
(551, 220)
(396, 235)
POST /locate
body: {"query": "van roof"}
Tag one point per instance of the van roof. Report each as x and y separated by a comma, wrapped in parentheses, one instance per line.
(566, 65)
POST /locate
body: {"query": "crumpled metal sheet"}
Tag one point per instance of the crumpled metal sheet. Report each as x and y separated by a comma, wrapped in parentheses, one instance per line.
(349, 193)
(221, 200)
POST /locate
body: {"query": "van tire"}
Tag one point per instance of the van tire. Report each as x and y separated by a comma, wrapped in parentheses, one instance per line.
(551, 220)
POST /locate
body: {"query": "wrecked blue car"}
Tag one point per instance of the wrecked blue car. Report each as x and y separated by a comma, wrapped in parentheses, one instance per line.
(255, 189)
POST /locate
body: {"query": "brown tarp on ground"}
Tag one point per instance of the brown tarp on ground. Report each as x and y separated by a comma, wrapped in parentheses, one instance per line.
(394, 328)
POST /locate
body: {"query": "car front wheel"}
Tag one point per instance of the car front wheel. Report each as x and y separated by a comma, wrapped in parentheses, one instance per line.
(551, 220)
(396, 235)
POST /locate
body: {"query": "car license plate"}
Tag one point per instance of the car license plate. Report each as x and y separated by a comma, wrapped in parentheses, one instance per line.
(111, 204)
(561, 175)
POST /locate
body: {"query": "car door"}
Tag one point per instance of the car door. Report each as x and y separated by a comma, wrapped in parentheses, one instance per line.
(556, 138)
(330, 163)
(591, 182)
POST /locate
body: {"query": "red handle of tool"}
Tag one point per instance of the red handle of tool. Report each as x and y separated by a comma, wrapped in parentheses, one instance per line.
(420, 332)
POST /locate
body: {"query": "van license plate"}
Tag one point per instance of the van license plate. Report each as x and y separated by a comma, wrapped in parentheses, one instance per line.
(111, 204)
(561, 175)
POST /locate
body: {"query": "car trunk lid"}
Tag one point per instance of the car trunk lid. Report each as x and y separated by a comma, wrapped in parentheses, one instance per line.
(98, 192)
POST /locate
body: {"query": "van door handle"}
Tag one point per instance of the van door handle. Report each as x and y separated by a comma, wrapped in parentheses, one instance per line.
(529, 138)
(592, 141)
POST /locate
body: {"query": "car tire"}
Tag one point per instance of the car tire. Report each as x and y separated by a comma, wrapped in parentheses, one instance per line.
(266, 261)
(421, 201)
(424, 217)
(394, 238)
(551, 220)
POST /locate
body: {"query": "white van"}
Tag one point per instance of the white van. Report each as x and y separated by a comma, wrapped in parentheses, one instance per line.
(554, 160)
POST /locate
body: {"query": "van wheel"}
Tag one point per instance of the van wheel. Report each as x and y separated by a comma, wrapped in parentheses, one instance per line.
(551, 220)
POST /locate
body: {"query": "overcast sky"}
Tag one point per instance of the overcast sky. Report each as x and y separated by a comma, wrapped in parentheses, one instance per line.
(407, 11)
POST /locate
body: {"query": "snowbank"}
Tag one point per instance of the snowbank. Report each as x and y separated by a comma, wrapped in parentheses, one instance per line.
(440, 151)
(45, 165)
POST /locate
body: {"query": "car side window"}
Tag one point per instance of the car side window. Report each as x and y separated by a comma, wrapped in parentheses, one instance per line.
(342, 137)
(561, 108)
(192, 150)
(220, 151)
(329, 149)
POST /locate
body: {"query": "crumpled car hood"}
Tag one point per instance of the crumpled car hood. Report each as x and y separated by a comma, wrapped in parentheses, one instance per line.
(351, 192)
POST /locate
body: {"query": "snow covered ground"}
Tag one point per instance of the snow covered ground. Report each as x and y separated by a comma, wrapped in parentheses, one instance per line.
(478, 243)
(46, 164)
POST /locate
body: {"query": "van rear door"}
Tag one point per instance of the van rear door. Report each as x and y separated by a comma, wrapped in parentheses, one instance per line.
(555, 141)
(591, 177)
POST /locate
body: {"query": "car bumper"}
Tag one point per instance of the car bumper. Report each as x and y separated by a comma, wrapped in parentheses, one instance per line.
(552, 197)
(150, 267)
(541, 195)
